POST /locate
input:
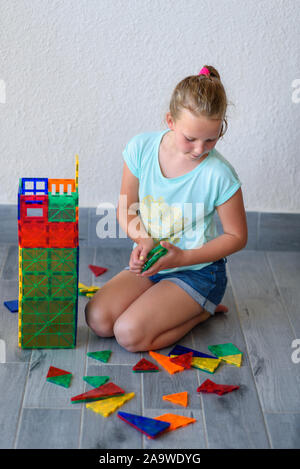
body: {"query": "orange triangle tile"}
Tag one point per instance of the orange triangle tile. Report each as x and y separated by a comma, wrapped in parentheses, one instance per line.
(184, 360)
(180, 398)
(166, 363)
(176, 421)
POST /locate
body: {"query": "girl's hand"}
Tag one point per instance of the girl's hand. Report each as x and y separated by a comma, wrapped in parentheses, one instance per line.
(139, 254)
(173, 258)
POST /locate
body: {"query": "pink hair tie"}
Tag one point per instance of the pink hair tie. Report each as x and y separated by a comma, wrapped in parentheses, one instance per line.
(204, 71)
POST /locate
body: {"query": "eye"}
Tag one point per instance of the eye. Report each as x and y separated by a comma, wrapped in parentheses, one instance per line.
(192, 139)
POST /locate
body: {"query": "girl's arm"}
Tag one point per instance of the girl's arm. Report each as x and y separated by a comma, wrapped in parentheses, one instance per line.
(233, 218)
(128, 205)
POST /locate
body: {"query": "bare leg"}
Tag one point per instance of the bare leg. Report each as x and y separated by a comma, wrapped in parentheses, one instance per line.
(171, 336)
(157, 318)
(112, 300)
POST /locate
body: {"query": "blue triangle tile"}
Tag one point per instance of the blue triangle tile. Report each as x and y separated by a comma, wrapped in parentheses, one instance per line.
(180, 350)
(12, 305)
(148, 426)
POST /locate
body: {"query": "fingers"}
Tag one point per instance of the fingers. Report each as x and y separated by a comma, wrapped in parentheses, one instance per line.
(136, 263)
(151, 271)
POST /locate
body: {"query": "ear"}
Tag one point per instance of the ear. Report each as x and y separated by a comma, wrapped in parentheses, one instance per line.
(170, 121)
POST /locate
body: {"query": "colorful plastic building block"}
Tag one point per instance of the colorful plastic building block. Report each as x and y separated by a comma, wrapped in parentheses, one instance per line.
(59, 377)
(206, 364)
(97, 270)
(144, 366)
(180, 349)
(102, 392)
(202, 361)
(153, 256)
(84, 290)
(102, 356)
(12, 305)
(96, 381)
(33, 186)
(210, 387)
(106, 406)
(180, 398)
(176, 421)
(228, 352)
(48, 262)
(150, 427)
(166, 363)
(184, 360)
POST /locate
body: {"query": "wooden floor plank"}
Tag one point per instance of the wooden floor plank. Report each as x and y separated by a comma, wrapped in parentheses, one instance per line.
(3, 256)
(119, 355)
(233, 411)
(42, 394)
(284, 430)
(9, 224)
(9, 324)
(189, 437)
(161, 383)
(11, 266)
(110, 432)
(267, 331)
(12, 383)
(49, 429)
(114, 259)
(286, 270)
(234, 420)
(263, 320)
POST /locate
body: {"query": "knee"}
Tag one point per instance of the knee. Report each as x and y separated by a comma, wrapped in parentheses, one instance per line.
(129, 334)
(99, 321)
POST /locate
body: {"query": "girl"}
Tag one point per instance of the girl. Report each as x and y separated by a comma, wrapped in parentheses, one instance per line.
(165, 173)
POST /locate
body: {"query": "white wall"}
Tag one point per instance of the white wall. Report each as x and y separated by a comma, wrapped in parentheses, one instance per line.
(84, 76)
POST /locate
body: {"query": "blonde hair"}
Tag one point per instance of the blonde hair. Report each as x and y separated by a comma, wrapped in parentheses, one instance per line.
(203, 95)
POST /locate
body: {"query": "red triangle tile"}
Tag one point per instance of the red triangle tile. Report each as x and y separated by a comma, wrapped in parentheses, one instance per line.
(184, 360)
(56, 372)
(145, 365)
(106, 390)
(210, 387)
(97, 270)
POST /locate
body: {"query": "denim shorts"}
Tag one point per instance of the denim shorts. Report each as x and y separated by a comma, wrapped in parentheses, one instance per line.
(206, 286)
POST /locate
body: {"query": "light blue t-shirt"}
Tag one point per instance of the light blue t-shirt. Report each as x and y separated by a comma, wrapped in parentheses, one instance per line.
(180, 209)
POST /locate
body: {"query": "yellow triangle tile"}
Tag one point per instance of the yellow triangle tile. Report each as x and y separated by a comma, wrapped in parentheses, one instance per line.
(92, 289)
(233, 359)
(208, 364)
(106, 406)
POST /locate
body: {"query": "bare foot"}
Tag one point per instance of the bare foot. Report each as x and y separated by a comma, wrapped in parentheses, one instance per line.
(221, 309)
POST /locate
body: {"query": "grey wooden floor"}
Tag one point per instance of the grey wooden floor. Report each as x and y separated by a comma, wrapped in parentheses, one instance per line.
(263, 297)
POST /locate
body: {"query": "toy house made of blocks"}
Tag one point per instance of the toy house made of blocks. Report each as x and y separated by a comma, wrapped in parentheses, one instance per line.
(48, 262)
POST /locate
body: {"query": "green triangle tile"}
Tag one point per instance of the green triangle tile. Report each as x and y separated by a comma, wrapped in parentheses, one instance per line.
(222, 350)
(96, 381)
(103, 356)
(61, 380)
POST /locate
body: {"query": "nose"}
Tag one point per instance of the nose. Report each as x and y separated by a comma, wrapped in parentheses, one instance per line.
(199, 148)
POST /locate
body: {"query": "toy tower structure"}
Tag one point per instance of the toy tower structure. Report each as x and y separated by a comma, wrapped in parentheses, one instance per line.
(48, 262)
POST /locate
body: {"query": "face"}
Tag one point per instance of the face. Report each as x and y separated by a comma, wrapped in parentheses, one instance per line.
(194, 136)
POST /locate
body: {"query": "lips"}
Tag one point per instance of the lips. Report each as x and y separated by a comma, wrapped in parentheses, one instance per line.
(199, 156)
